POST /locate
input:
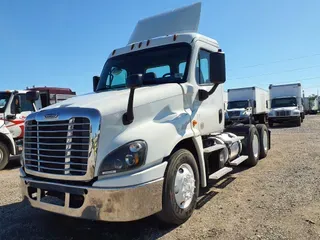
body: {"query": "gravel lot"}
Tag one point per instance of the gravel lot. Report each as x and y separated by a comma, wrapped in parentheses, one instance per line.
(277, 199)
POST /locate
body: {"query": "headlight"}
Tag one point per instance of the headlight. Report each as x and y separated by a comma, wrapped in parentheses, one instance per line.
(245, 113)
(271, 114)
(124, 158)
(295, 113)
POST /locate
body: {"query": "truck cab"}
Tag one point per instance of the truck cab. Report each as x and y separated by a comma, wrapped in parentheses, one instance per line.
(14, 108)
(148, 137)
(249, 105)
(286, 104)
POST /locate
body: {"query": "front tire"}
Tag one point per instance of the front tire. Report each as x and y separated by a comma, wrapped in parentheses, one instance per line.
(4, 156)
(180, 189)
(299, 122)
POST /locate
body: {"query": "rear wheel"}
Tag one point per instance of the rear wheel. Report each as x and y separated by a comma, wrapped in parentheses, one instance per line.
(251, 142)
(4, 156)
(180, 189)
(264, 140)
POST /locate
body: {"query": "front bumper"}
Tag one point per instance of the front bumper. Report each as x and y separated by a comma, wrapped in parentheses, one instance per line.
(106, 204)
(284, 119)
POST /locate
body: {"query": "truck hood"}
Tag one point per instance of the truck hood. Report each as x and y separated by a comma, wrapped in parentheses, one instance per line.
(113, 101)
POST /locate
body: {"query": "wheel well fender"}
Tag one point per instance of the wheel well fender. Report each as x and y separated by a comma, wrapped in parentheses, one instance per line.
(195, 147)
(8, 143)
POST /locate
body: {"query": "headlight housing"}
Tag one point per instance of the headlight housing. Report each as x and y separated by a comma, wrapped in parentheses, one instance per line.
(244, 113)
(295, 112)
(124, 158)
(271, 114)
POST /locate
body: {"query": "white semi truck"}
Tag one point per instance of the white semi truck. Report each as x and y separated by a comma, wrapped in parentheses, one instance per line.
(248, 105)
(149, 136)
(14, 108)
(286, 104)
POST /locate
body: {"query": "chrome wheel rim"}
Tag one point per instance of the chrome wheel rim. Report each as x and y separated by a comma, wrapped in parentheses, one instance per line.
(265, 141)
(184, 186)
(255, 145)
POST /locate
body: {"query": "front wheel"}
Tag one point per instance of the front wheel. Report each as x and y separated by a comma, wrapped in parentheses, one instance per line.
(299, 122)
(180, 189)
(4, 156)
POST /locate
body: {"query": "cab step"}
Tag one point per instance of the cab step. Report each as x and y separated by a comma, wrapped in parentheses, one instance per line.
(238, 160)
(218, 174)
(214, 148)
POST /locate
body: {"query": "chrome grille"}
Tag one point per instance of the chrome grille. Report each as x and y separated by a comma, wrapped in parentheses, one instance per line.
(282, 113)
(233, 113)
(57, 147)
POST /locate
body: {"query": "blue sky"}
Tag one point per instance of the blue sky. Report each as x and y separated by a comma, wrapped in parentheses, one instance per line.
(65, 42)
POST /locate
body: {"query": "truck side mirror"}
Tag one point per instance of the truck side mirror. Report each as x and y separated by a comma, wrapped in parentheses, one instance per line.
(32, 96)
(217, 67)
(95, 81)
(133, 81)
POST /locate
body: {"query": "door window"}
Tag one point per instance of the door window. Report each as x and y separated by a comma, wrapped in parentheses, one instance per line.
(202, 68)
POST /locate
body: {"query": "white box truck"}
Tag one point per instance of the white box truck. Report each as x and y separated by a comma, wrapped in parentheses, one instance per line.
(248, 105)
(286, 104)
(148, 137)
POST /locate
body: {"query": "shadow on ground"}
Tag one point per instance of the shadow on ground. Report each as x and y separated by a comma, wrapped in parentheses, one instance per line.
(14, 163)
(19, 220)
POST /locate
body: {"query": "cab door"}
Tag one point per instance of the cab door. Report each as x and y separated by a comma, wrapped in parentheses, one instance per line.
(208, 112)
(20, 108)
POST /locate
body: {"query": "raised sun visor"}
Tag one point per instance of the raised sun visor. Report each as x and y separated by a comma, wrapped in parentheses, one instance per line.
(181, 20)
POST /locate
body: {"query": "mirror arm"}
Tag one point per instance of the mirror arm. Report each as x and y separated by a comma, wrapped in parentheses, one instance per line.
(128, 117)
(203, 94)
(213, 89)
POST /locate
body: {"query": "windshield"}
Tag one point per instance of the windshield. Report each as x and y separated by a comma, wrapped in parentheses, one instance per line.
(238, 104)
(4, 98)
(283, 102)
(167, 64)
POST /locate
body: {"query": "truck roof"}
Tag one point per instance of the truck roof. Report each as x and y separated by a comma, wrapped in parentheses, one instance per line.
(176, 26)
(162, 41)
(245, 88)
(53, 90)
(288, 84)
(11, 91)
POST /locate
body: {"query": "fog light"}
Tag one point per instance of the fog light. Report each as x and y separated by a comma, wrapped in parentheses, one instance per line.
(118, 164)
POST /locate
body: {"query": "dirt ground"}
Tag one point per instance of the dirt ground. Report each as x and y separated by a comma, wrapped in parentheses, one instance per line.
(277, 199)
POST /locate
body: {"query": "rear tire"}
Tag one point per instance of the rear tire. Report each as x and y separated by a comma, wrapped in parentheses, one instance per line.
(4, 155)
(175, 208)
(251, 135)
(251, 146)
(264, 140)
